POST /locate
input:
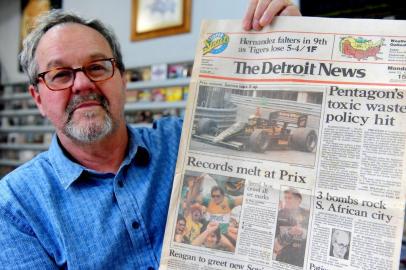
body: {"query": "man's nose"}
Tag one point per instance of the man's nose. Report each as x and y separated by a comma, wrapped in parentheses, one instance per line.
(82, 82)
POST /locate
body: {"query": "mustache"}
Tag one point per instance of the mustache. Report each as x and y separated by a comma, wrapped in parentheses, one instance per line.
(77, 100)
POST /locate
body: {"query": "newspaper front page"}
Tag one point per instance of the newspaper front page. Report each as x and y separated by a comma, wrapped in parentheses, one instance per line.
(293, 148)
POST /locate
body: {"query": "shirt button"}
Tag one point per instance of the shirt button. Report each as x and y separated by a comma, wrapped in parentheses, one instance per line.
(151, 268)
(120, 183)
(135, 225)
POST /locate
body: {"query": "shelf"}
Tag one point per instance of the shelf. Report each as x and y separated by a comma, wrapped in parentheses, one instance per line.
(158, 83)
(20, 112)
(10, 162)
(42, 129)
(27, 129)
(23, 97)
(35, 146)
(130, 86)
(17, 96)
(140, 106)
(24, 146)
(15, 83)
(129, 107)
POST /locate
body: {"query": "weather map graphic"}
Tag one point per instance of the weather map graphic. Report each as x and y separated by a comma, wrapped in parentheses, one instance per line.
(360, 48)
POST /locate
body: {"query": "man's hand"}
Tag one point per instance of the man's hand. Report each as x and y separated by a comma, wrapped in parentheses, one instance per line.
(261, 12)
(212, 226)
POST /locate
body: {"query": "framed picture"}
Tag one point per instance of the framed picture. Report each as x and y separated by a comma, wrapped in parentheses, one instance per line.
(156, 18)
(30, 10)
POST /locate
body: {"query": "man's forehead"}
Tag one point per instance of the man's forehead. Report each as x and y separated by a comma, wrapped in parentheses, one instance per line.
(342, 237)
(61, 62)
(69, 42)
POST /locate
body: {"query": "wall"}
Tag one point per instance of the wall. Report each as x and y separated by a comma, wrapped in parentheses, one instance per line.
(117, 15)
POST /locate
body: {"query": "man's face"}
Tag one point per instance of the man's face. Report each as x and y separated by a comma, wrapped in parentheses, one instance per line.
(180, 226)
(196, 215)
(291, 201)
(87, 110)
(340, 245)
(217, 197)
(190, 182)
(233, 223)
(211, 240)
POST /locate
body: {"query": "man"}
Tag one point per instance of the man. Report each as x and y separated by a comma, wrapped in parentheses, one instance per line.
(232, 230)
(98, 198)
(180, 231)
(219, 207)
(193, 221)
(212, 238)
(340, 244)
(291, 229)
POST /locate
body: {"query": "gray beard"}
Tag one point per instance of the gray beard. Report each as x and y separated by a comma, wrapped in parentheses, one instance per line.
(93, 131)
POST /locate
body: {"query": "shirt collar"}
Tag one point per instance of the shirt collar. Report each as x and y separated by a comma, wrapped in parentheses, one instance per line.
(68, 171)
(138, 152)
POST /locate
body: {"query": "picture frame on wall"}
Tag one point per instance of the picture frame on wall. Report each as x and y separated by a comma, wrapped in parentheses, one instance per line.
(30, 10)
(156, 18)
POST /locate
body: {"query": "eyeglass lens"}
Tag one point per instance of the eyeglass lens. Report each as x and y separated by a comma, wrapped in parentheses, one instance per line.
(62, 78)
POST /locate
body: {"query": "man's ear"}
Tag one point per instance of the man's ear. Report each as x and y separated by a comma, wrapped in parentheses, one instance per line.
(124, 79)
(34, 91)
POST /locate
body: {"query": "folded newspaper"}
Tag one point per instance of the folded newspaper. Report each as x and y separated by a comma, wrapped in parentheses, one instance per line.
(293, 148)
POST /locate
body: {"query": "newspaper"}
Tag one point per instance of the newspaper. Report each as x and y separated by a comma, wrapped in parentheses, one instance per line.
(293, 148)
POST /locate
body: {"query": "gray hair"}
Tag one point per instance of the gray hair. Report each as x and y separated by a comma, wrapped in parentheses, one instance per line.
(51, 19)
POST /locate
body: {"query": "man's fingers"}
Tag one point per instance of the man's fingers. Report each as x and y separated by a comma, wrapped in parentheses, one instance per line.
(291, 11)
(279, 7)
(259, 11)
(274, 8)
(249, 15)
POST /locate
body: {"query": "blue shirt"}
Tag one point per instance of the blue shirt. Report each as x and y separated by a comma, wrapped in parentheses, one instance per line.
(55, 213)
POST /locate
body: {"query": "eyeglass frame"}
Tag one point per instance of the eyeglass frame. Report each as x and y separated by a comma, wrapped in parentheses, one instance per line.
(340, 245)
(75, 70)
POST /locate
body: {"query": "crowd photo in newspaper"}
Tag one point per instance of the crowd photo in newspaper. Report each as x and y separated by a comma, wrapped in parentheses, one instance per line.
(209, 211)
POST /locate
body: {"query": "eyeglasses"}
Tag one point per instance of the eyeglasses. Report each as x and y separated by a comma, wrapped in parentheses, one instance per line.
(341, 245)
(63, 78)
